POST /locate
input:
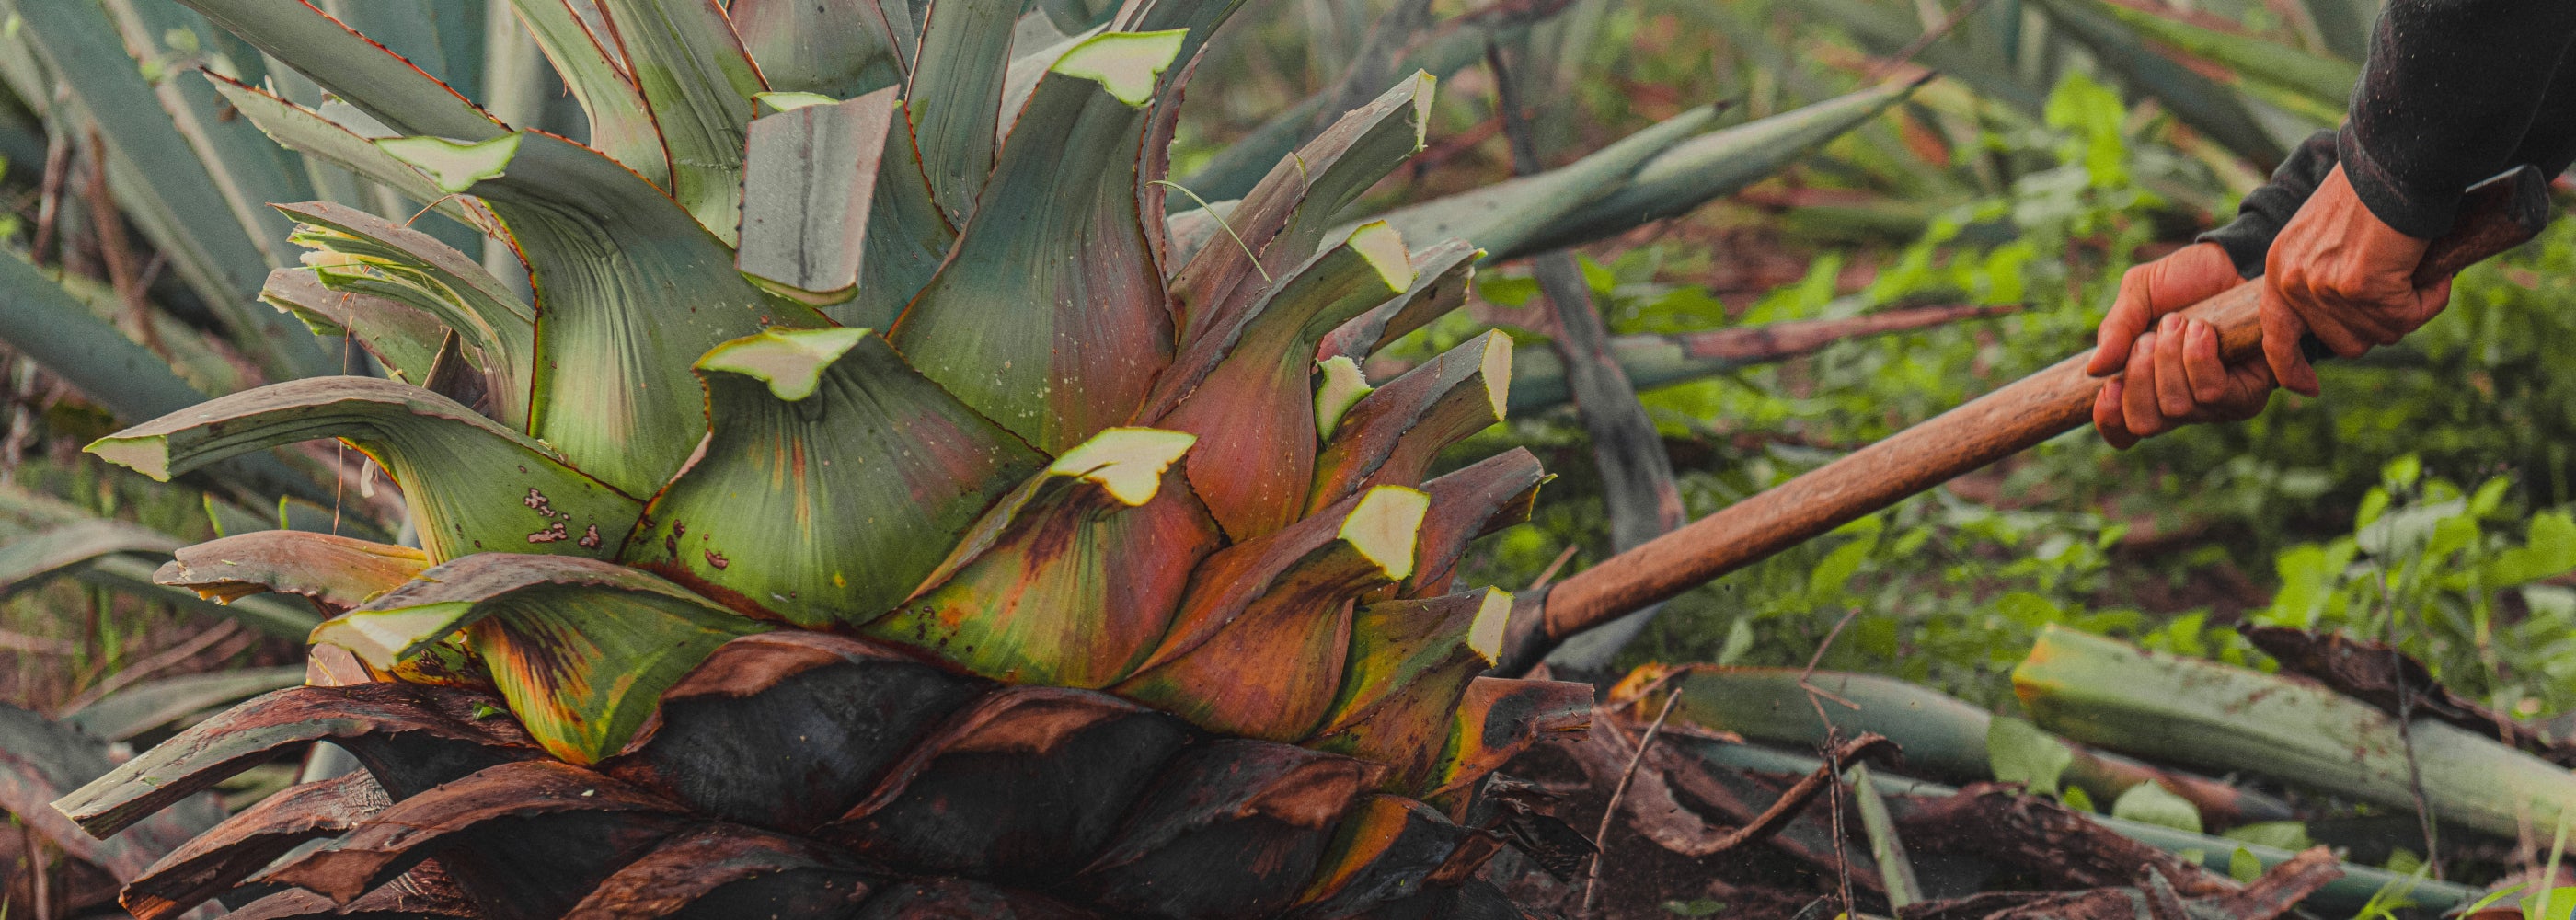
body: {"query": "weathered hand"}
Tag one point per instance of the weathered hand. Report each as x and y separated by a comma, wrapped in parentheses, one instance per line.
(2338, 272)
(2171, 372)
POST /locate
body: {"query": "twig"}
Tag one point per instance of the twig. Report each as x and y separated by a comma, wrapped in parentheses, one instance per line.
(49, 201)
(1798, 796)
(145, 668)
(118, 251)
(1550, 574)
(1601, 836)
(2414, 770)
(1812, 660)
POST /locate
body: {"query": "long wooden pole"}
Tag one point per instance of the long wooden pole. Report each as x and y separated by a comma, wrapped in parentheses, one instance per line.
(2499, 214)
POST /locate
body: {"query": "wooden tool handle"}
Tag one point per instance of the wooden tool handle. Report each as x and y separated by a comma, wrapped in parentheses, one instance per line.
(2499, 214)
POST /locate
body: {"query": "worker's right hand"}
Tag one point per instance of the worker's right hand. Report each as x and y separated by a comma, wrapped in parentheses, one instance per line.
(2169, 367)
(2338, 272)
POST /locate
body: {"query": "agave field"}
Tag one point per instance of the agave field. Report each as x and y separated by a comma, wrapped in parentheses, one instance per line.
(1407, 459)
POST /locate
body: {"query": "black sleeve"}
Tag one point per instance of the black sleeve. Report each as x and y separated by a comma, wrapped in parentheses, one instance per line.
(2455, 91)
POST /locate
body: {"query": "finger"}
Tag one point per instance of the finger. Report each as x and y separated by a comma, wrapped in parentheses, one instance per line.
(2173, 385)
(2138, 409)
(2281, 331)
(2249, 390)
(2430, 301)
(2202, 368)
(2107, 419)
(2194, 274)
(2120, 327)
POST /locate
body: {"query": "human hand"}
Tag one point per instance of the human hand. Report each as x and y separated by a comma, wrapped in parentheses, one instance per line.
(2337, 272)
(2171, 373)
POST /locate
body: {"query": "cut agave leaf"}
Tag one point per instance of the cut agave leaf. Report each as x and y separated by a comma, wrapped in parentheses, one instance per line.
(361, 252)
(471, 484)
(1262, 637)
(809, 177)
(728, 871)
(957, 89)
(1279, 223)
(788, 729)
(907, 236)
(1048, 316)
(620, 126)
(698, 84)
(1497, 719)
(409, 736)
(1410, 664)
(403, 339)
(1050, 587)
(352, 66)
(1391, 436)
(151, 704)
(835, 478)
(1385, 848)
(1234, 828)
(838, 48)
(39, 759)
(424, 893)
(307, 132)
(337, 572)
(222, 858)
(1500, 216)
(582, 649)
(1442, 277)
(1247, 393)
(1476, 500)
(631, 290)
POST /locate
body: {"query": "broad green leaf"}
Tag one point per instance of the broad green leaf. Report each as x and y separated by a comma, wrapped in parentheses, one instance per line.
(2020, 753)
(619, 124)
(305, 131)
(698, 84)
(2155, 804)
(581, 649)
(1048, 317)
(630, 290)
(376, 257)
(810, 175)
(834, 479)
(46, 324)
(334, 571)
(472, 485)
(839, 48)
(956, 98)
(1052, 585)
(146, 706)
(198, 228)
(1247, 393)
(907, 237)
(352, 67)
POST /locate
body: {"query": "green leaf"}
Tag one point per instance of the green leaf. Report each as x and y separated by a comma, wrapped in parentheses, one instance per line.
(352, 67)
(581, 649)
(1827, 581)
(30, 560)
(956, 95)
(2324, 80)
(247, 168)
(810, 178)
(380, 258)
(146, 706)
(43, 322)
(2198, 101)
(334, 571)
(403, 339)
(834, 480)
(2154, 804)
(451, 166)
(305, 131)
(1393, 434)
(1049, 316)
(620, 126)
(2241, 864)
(2020, 753)
(698, 84)
(630, 290)
(839, 48)
(471, 485)
(2279, 835)
(2076, 798)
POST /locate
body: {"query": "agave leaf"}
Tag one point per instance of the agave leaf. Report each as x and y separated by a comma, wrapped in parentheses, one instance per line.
(724, 871)
(839, 48)
(1384, 849)
(403, 339)
(620, 126)
(907, 236)
(424, 893)
(788, 729)
(698, 84)
(2198, 101)
(1235, 825)
(1476, 500)
(1281, 220)
(337, 572)
(1410, 664)
(307, 132)
(470, 483)
(1886, 30)
(835, 478)
(1391, 436)
(1247, 393)
(1261, 640)
(146, 706)
(411, 737)
(39, 759)
(1663, 359)
(810, 175)
(1503, 216)
(958, 804)
(631, 290)
(582, 649)
(445, 40)
(1498, 718)
(1046, 589)
(133, 574)
(2322, 79)
(516, 821)
(45, 323)
(1343, 386)
(956, 94)
(30, 560)
(1048, 316)
(1442, 276)
(245, 843)
(203, 233)
(247, 168)
(352, 66)
(371, 256)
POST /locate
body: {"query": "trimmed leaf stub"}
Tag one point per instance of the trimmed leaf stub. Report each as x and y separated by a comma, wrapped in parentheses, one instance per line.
(791, 101)
(1126, 64)
(452, 166)
(791, 363)
(1128, 463)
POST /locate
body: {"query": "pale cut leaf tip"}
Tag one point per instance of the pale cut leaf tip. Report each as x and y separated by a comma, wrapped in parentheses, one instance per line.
(1485, 633)
(1342, 388)
(145, 454)
(1384, 526)
(1383, 247)
(791, 101)
(1497, 369)
(1126, 64)
(453, 166)
(1128, 463)
(791, 361)
(1426, 84)
(383, 638)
